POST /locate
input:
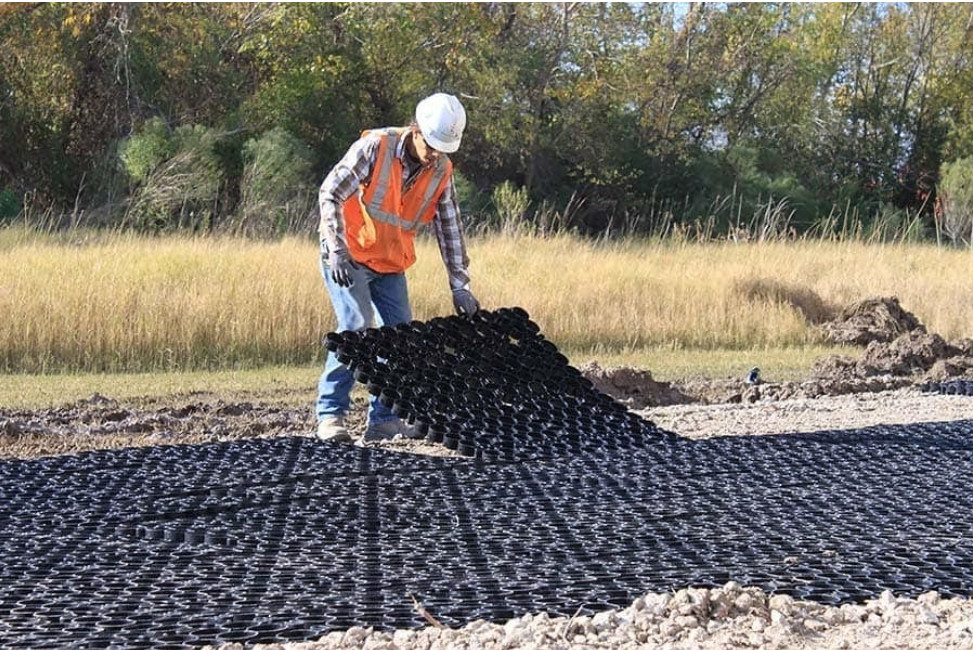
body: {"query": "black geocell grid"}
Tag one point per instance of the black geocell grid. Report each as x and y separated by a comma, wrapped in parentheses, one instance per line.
(566, 501)
(949, 387)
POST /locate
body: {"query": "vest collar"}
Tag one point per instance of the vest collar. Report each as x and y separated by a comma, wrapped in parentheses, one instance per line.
(401, 153)
(400, 144)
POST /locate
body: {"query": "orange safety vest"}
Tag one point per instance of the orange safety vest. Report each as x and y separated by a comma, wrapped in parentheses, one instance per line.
(382, 217)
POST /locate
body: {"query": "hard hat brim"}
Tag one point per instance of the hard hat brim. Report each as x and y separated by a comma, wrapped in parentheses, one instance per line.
(442, 145)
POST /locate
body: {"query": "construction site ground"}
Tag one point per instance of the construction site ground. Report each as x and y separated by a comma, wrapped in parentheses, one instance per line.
(880, 387)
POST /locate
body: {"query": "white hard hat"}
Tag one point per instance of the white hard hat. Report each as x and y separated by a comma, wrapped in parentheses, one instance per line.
(441, 119)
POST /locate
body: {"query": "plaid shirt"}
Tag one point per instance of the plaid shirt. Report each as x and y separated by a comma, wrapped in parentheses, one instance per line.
(353, 170)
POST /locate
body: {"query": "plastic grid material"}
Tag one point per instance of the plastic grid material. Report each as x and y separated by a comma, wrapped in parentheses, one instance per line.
(490, 386)
(948, 387)
(286, 539)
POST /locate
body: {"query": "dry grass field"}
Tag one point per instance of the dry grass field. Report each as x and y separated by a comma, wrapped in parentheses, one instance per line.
(108, 302)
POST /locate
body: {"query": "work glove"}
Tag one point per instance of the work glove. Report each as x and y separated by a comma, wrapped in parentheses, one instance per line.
(341, 269)
(464, 302)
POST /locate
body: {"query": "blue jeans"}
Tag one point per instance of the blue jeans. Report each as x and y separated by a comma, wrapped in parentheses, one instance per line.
(379, 297)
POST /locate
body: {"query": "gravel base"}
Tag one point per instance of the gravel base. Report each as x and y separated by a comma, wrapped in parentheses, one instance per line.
(903, 406)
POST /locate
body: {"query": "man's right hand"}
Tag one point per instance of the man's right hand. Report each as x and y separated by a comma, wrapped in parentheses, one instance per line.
(465, 302)
(341, 270)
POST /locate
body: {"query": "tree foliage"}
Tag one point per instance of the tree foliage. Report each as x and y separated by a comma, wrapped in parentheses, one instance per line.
(179, 177)
(636, 114)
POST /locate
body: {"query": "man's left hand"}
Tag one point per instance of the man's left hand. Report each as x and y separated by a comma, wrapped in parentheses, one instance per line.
(465, 302)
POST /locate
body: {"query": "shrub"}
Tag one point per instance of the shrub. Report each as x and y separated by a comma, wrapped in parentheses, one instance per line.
(277, 189)
(511, 204)
(956, 194)
(145, 151)
(182, 189)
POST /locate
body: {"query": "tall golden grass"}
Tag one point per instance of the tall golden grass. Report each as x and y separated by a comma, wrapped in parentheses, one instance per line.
(712, 295)
(124, 302)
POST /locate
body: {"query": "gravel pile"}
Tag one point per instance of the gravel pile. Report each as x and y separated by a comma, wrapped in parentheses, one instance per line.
(727, 617)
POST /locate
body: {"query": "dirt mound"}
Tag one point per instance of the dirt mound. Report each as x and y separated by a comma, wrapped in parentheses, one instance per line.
(960, 366)
(899, 352)
(910, 353)
(874, 319)
(633, 387)
(898, 346)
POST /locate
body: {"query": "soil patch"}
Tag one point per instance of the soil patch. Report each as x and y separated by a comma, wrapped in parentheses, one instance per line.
(104, 423)
(633, 387)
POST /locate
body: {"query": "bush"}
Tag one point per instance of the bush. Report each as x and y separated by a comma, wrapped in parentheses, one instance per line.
(144, 152)
(277, 190)
(511, 204)
(180, 190)
(956, 195)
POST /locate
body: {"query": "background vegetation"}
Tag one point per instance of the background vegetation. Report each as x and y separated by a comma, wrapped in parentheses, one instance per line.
(714, 177)
(730, 119)
(123, 302)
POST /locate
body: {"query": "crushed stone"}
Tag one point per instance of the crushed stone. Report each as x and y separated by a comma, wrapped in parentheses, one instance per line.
(731, 616)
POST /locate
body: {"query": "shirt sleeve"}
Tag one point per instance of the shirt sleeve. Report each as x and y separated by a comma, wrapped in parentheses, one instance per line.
(449, 233)
(343, 181)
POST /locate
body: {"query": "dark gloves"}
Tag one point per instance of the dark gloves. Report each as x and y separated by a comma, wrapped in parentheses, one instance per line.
(464, 302)
(341, 270)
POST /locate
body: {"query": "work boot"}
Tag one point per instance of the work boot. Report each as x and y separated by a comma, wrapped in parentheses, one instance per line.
(410, 432)
(390, 430)
(332, 428)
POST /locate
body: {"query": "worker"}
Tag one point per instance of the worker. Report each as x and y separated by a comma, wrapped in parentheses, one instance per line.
(389, 183)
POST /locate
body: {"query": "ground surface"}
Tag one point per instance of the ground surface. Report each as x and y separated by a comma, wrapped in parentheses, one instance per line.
(900, 406)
